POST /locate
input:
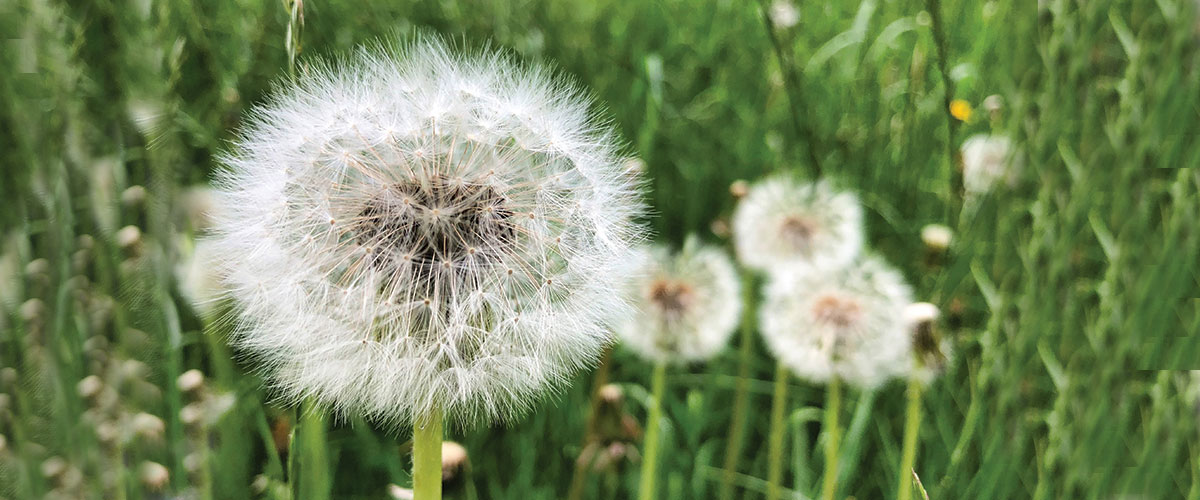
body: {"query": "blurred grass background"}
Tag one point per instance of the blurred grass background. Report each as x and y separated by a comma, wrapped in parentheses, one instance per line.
(1071, 298)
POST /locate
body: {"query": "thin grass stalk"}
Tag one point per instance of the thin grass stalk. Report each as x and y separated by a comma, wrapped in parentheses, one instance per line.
(777, 434)
(833, 406)
(793, 91)
(912, 427)
(427, 457)
(579, 479)
(938, 27)
(646, 489)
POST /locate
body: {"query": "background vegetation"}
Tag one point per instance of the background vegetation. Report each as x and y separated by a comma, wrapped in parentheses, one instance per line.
(1071, 298)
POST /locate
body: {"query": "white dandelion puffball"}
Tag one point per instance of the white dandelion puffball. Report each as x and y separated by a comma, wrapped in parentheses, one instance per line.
(782, 222)
(412, 230)
(988, 160)
(689, 303)
(931, 353)
(784, 14)
(846, 323)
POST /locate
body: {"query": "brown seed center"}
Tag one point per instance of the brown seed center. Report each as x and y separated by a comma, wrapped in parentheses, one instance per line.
(671, 297)
(798, 231)
(435, 223)
(835, 310)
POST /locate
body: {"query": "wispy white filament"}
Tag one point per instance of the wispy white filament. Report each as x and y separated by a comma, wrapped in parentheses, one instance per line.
(783, 222)
(846, 323)
(689, 303)
(411, 229)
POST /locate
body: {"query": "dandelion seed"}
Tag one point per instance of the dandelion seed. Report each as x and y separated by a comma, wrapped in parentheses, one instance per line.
(784, 223)
(690, 304)
(845, 323)
(480, 207)
(987, 161)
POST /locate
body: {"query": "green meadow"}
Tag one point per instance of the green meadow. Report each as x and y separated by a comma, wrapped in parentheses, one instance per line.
(1071, 296)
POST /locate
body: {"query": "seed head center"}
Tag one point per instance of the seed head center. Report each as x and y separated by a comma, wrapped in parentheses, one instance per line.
(436, 223)
(835, 310)
(798, 230)
(671, 297)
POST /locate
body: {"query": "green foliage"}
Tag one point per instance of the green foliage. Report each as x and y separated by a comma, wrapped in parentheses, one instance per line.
(1070, 298)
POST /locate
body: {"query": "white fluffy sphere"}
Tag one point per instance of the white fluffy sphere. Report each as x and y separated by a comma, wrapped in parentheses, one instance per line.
(988, 160)
(782, 222)
(412, 229)
(846, 323)
(689, 304)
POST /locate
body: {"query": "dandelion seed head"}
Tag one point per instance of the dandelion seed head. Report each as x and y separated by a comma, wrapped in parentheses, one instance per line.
(988, 160)
(784, 14)
(782, 222)
(931, 352)
(411, 228)
(689, 302)
(845, 322)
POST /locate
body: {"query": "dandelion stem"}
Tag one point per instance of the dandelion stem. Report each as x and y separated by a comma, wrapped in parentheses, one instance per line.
(737, 422)
(307, 460)
(777, 433)
(427, 457)
(833, 405)
(650, 460)
(912, 425)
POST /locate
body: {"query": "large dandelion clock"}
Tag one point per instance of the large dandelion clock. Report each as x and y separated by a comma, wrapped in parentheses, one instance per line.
(688, 303)
(846, 323)
(410, 231)
(783, 222)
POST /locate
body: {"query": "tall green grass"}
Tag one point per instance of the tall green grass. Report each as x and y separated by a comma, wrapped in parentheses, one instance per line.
(1071, 298)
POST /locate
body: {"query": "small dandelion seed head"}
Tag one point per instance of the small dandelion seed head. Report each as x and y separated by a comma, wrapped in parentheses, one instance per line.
(400, 220)
(931, 352)
(689, 303)
(988, 161)
(784, 14)
(782, 222)
(845, 323)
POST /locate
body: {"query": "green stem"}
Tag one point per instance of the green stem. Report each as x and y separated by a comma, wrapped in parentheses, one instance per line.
(293, 463)
(912, 426)
(650, 460)
(777, 434)
(833, 437)
(427, 457)
(308, 464)
(737, 423)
